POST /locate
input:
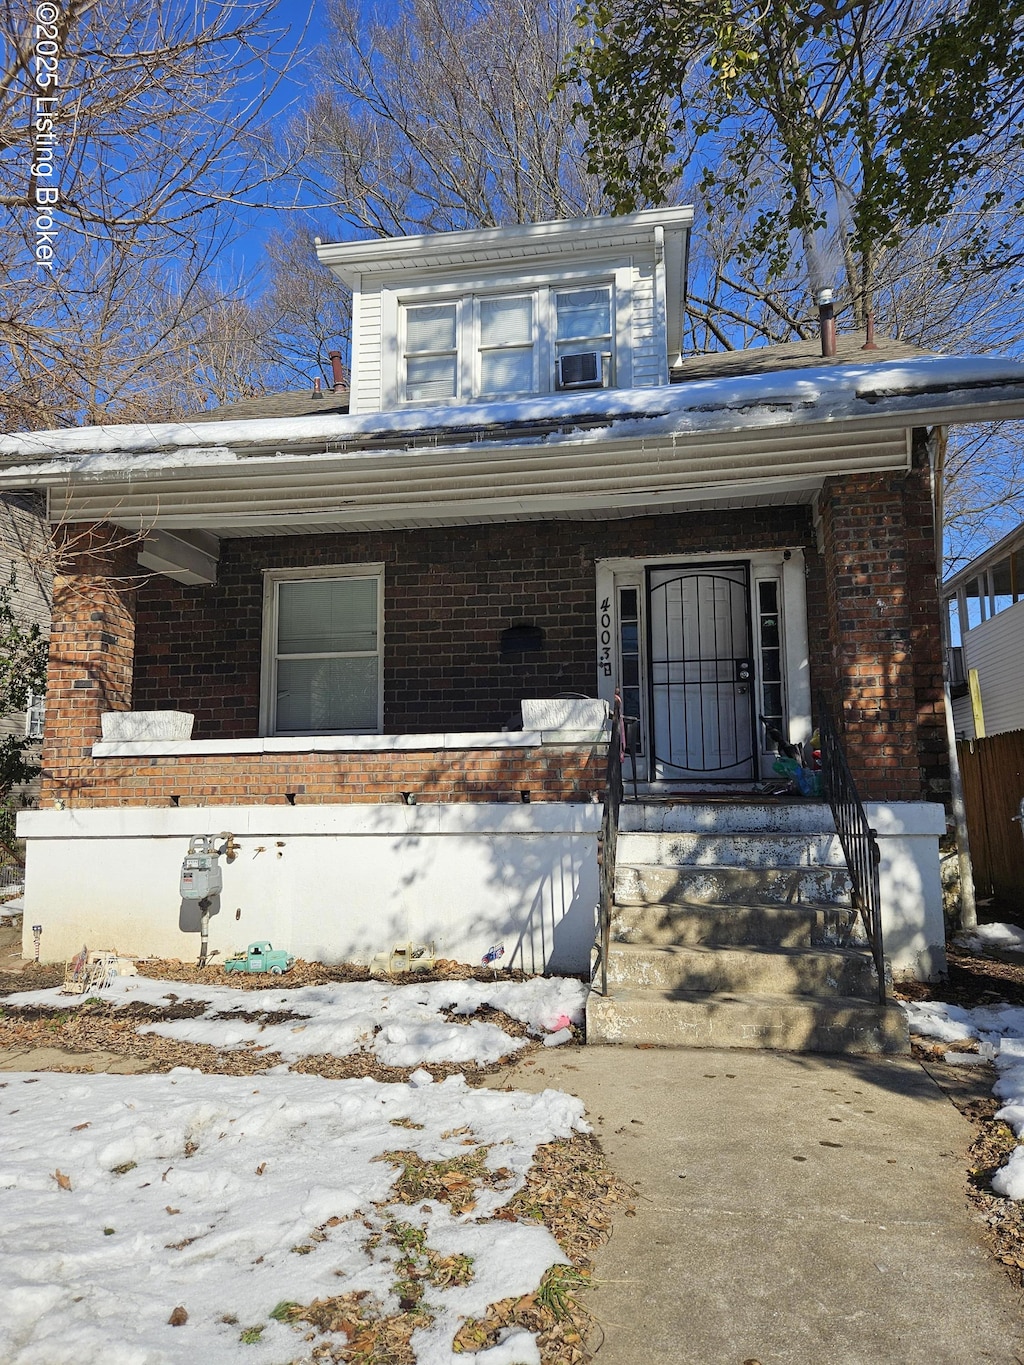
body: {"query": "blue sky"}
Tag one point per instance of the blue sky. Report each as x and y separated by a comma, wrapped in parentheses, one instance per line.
(301, 25)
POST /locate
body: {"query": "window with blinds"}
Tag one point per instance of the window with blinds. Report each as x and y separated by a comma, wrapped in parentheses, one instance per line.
(506, 347)
(431, 352)
(494, 346)
(325, 659)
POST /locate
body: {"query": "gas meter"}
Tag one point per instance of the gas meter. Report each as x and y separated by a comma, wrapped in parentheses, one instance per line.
(201, 874)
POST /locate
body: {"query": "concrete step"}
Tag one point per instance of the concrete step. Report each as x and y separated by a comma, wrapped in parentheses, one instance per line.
(732, 849)
(643, 884)
(781, 1023)
(826, 973)
(721, 817)
(763, 925)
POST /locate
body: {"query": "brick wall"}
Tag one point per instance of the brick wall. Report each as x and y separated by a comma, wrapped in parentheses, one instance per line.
(885, 663)
(448, 595)
(92, 645)
(565, 773)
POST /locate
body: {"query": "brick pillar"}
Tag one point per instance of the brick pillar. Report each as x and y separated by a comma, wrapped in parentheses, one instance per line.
(923, 574)
(92, 651)
(879, 562)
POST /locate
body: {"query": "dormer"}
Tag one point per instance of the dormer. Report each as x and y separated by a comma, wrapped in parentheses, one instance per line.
(499, 314)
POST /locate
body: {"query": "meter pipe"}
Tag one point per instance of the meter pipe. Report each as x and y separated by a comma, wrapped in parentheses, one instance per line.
(204, 929)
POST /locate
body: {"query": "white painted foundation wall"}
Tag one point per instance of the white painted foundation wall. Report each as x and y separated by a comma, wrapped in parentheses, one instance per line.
(326, 883)
(342, 883)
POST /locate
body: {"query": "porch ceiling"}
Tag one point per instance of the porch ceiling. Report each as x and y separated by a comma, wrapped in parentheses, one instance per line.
(287, 494)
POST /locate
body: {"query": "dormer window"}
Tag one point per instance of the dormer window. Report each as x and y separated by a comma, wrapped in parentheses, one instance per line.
(503, 346)
(506, 346)
(495, 315)
(584, 321)
(431, 352)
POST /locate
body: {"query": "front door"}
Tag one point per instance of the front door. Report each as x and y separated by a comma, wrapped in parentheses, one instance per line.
(701, 676)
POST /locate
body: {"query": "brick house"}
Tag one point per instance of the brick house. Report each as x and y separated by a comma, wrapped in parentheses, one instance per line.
(531, 495)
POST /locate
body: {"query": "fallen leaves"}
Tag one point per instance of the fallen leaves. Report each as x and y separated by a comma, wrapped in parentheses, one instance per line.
(451, 1182)
(64, 1181)
(179, 1317)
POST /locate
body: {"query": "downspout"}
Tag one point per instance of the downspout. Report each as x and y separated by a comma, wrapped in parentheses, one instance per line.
(684, 310)
(661, 294)
(968, 904)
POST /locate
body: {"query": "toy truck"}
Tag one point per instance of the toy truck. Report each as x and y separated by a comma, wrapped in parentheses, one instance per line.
(260, 957)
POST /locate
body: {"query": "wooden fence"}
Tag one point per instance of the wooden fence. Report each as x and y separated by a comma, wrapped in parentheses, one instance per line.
(993, 778)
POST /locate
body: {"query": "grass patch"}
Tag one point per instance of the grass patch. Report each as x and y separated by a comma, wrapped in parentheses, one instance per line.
(451, 1182)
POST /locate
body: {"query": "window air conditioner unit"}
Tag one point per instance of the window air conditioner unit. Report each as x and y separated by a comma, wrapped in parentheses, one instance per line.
(584, 370)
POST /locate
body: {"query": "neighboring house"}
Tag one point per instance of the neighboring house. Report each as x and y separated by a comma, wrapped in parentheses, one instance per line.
(985, 606)
(533, 496)
(25, 552)
(985, 602)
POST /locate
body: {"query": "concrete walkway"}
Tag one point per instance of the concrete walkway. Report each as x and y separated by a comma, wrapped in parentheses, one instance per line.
(791, 1210)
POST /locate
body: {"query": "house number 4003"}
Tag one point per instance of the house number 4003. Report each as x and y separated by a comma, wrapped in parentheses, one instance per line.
(604, 653)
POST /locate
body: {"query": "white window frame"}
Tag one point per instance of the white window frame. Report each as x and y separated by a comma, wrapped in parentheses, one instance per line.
(542, 291)
(272, 578)
(35, 715)
(604, 344)
(479, 349)
(459, 305)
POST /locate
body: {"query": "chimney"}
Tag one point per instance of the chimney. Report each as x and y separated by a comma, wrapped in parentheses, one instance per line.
(318, 391)
(826, 314)
(869, 326)
(337, 371)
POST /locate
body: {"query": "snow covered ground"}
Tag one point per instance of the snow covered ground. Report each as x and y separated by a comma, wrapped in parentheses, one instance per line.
(124, 1199)
(402, 1025)
(1005, 936)
(999, 1030)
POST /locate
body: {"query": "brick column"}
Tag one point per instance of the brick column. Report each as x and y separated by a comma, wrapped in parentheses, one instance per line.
(92, 651)
(885, 649)
(923, 572)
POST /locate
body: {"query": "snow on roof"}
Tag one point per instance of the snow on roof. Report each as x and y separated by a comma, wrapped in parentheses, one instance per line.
(922, 385)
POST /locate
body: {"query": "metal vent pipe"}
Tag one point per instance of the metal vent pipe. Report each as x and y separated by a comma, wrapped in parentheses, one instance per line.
(827, 318)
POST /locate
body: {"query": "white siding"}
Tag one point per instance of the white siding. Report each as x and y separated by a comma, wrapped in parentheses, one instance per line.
(996, 650)
(641, 343)
(649, 351)
(366, 350)
(963, 720)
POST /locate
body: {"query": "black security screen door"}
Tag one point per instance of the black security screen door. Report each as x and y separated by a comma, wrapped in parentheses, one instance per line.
(701, 673)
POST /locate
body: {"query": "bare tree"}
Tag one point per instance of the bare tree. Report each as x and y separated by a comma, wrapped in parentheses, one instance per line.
(132, 135)
(309, 310)
(441, 116)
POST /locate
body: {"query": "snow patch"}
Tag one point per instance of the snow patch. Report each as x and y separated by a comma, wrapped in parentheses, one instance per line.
(227, 1195)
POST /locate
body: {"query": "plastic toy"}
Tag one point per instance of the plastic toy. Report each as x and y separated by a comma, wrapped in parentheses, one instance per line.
(404, 957)
(261, 957)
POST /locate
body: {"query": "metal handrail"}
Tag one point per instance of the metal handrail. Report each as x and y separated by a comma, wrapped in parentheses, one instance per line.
(609, 840)
(859, 841)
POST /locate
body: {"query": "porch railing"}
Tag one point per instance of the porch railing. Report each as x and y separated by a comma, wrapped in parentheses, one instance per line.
(859, 841)
(607, 845)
